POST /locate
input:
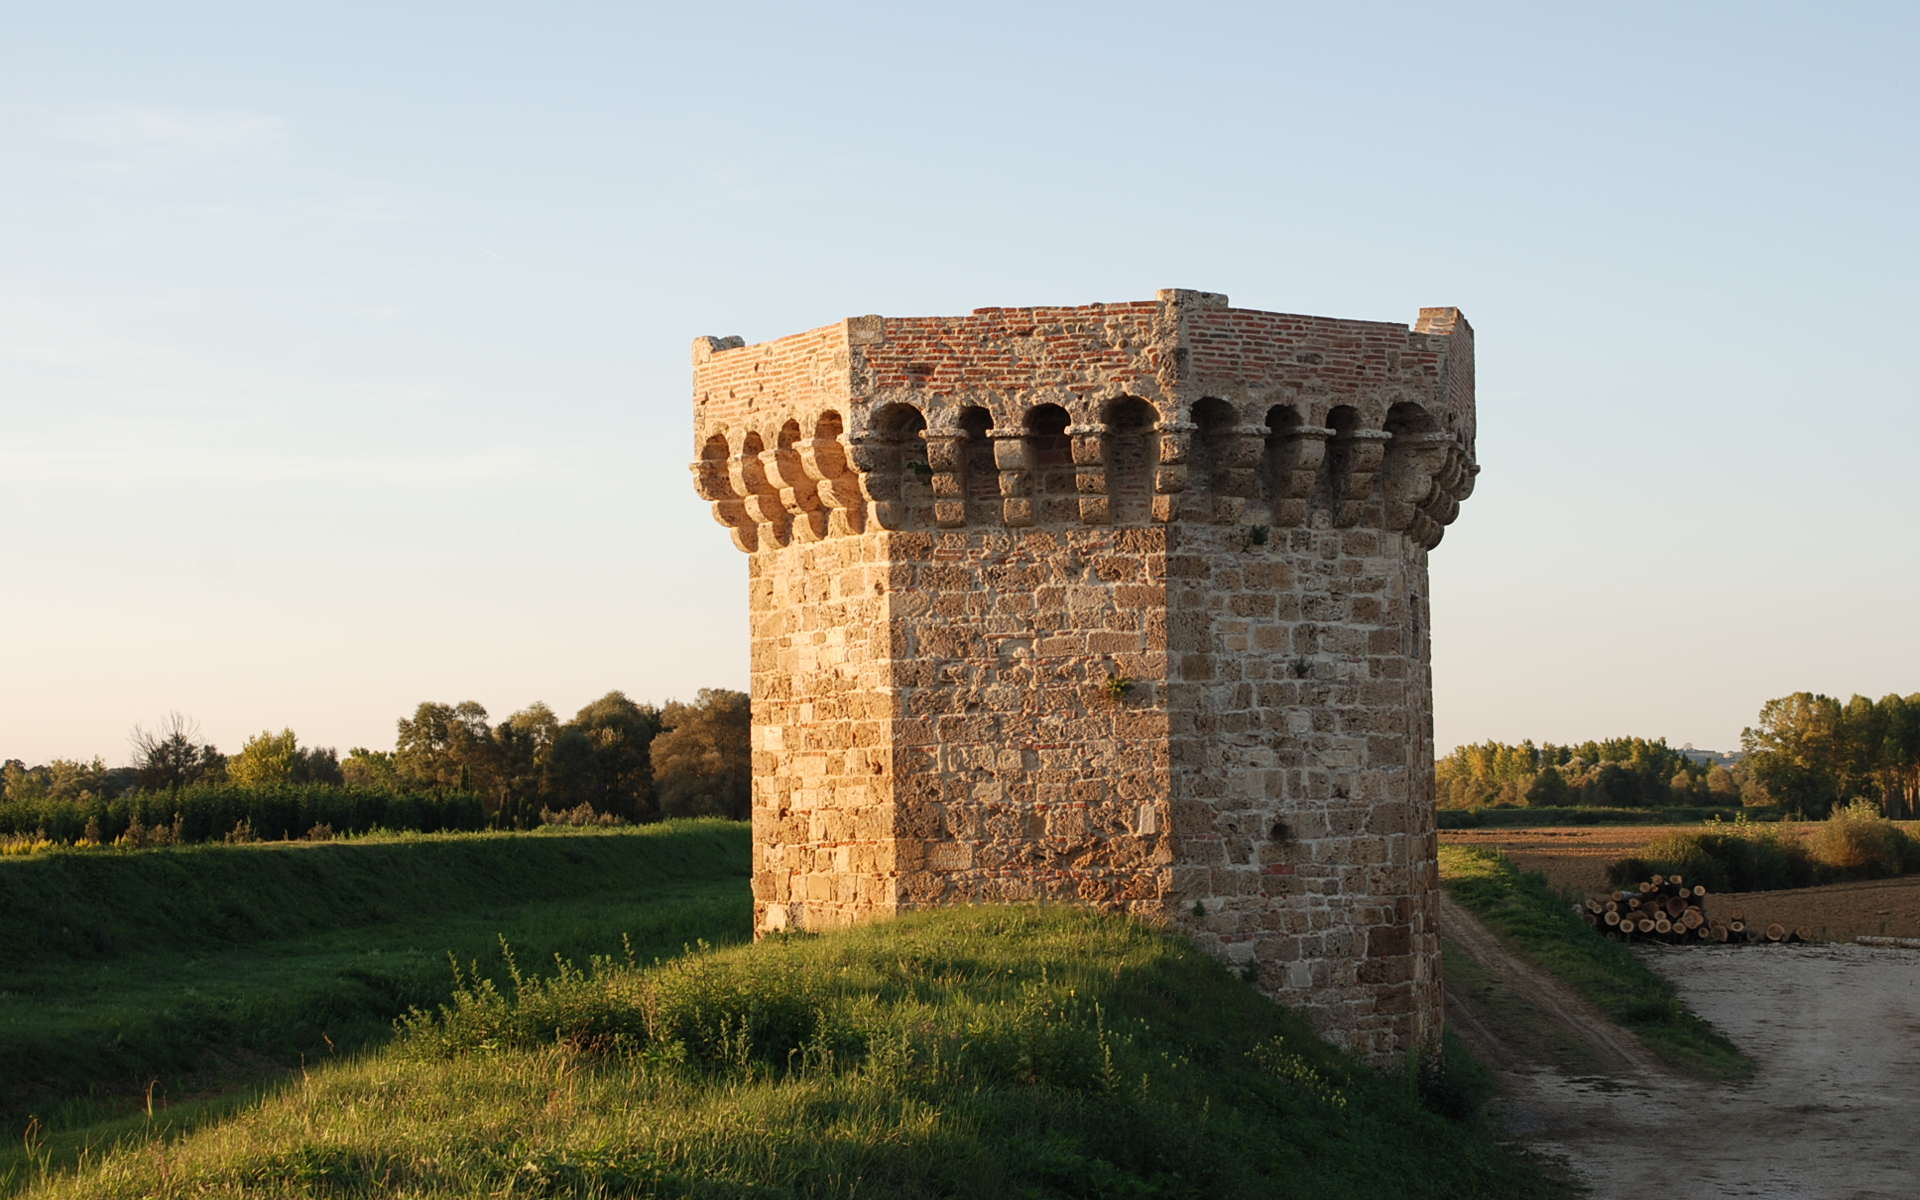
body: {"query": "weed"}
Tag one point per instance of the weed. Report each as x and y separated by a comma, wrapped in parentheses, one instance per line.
(1117, 687)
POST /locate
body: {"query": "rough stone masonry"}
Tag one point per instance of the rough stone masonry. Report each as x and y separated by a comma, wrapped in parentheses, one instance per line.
(1121, 604)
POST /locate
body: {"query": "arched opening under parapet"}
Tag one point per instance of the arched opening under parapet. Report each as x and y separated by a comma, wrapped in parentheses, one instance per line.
(979, 476)
(900, 461)
(1050, 455)
(1279, 460)
(1214, 422)
(1131, 442)
(715, 482)
(1344, 422)
(1407, 417)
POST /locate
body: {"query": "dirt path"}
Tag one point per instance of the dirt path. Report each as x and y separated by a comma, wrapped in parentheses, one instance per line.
(1610, 1048)
(1835, 1029)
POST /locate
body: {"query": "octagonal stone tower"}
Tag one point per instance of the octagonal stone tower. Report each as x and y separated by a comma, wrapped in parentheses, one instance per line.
(1123, 604)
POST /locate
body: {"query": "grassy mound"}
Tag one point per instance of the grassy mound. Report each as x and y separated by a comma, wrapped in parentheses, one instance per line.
(984, 1052)
(1540, 925)
(187, 968)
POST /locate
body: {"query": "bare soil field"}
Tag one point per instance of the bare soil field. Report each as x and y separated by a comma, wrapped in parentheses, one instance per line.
(1834, 1029)
(1577, 858)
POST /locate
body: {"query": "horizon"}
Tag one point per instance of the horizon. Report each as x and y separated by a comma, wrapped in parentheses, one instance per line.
(345, 365)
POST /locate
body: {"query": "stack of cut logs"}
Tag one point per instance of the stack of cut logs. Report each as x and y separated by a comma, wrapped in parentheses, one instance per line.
(1666, 908)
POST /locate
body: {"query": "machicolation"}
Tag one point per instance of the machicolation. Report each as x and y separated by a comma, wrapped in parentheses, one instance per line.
(1123, 604)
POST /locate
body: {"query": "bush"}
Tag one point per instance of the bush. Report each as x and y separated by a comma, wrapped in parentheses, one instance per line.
(1858, 843)
(1737, 856)
(1733, 857)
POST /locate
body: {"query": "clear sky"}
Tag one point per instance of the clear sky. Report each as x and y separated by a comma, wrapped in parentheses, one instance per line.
(343, 347)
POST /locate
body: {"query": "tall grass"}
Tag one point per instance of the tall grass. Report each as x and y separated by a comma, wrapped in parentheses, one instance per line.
(984, 1052)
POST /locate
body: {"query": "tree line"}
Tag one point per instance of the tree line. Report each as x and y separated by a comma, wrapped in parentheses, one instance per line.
(1806, 753)
(1625, 772)
(613, 760)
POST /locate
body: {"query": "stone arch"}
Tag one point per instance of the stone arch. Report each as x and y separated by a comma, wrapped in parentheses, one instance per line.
(1050, 461)
(1215, 424)
(979, 477)
(899, 479)
(1343, 422)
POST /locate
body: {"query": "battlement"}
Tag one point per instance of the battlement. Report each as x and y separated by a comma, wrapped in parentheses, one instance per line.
(1117, 604)
(1175, 409)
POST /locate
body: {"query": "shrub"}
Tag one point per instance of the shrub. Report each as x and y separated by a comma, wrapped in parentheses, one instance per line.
(1729, 857)
(1857, 842)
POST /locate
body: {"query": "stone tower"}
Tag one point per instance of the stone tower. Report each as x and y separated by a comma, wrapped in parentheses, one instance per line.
(1123, 604)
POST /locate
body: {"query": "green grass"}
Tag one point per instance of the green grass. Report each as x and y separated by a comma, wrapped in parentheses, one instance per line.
(210, 968)
(1526, 818)
(975, 1052)
(1538, 924)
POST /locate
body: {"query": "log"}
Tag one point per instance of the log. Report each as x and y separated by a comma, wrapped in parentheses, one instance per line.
(1776, 932)
(1656, 881)
(1611, 918)
(1644, 924)
(1699, 889)
(1674, 906)
(1802, 934)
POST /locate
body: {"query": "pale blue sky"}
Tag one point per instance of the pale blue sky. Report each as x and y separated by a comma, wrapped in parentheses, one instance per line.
(343, 348)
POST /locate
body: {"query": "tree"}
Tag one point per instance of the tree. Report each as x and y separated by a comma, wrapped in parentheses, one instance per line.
(1793, 751)
(366, 768)
(266, 759)
(445, 747)
(703, 761)
(271, 758)
(172, 756)
(1549, 789)
(522, 759)
(602, 758)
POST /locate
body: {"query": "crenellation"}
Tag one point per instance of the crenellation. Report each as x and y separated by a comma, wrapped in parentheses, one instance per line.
(1120, 604)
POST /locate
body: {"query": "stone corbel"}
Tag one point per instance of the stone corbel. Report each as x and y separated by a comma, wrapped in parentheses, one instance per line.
(1295, 470)
(1170, 476)
(1090, 473)
(1013, 459)
(711, 482)
(944, 451)
(1359, 456)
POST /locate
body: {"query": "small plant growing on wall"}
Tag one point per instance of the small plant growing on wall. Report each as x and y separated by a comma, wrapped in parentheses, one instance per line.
(1117, 686)
(1253, 535)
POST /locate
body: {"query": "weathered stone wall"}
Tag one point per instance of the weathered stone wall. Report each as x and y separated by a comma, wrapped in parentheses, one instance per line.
(1302, 764)
(1122, 604)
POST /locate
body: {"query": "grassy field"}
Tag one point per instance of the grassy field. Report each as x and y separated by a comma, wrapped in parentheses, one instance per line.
(190, 978)
(982, 1052)
(1537, 923)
